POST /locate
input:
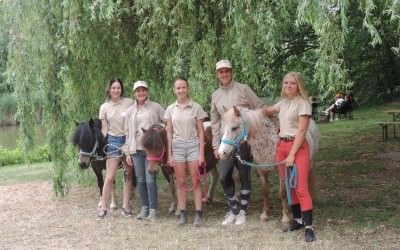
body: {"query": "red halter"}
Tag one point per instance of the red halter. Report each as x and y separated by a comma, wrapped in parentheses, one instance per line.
(156, 158)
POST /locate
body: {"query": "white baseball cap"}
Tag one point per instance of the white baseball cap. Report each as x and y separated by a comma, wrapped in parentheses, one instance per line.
(140, 84)
(223, 64)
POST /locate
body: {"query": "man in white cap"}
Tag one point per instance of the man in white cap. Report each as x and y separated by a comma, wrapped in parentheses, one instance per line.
(231, 93)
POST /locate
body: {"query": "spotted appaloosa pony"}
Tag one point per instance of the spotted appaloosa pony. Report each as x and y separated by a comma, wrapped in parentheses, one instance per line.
(155, 144)
(88, 138)
(262, 135)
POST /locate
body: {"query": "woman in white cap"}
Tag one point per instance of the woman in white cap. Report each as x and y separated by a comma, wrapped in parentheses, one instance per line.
(142, 114)
(112, 116)
(231, 93)
(185, 133)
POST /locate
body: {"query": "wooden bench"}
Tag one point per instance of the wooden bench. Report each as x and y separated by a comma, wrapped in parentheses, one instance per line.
(385, 126)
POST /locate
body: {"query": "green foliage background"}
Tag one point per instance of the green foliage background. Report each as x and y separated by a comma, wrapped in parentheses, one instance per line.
(66, 50)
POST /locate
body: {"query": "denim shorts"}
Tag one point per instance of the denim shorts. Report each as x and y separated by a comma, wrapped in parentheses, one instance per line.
(114, 144)
(185, 150)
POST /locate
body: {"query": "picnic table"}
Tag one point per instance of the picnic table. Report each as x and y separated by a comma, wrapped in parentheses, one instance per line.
(395, 113)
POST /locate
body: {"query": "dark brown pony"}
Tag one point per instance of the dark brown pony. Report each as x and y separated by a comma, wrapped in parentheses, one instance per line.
(155, 144)
(87, 137)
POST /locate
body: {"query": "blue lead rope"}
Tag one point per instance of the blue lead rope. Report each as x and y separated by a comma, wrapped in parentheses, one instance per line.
(290, 181)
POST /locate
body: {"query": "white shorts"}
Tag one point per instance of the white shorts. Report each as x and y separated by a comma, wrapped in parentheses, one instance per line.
(185, 150)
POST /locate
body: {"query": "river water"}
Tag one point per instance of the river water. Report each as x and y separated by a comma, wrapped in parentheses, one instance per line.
(9, 137)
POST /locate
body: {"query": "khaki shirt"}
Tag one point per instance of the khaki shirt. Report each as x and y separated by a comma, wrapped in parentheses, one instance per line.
(139, 117)
(184, 119)
(114, 113)
(234, 94)
(289, 112)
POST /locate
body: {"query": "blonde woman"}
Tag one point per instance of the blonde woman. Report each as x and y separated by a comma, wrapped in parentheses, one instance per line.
(294, 111)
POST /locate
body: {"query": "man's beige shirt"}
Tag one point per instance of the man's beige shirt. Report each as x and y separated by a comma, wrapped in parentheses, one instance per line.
(234, 94)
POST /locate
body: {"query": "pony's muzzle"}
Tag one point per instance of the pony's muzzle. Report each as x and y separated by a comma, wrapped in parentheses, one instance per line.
(83, 162)
(225, 153)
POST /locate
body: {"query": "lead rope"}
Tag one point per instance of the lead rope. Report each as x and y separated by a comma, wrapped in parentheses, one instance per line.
(290, 181)
(264, 165)
(118, 149)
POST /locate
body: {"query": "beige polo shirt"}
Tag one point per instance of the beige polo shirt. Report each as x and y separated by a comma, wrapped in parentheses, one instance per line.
(114, 113)
(139, 117)
(234, 94)
(289, 112)
(184, 119)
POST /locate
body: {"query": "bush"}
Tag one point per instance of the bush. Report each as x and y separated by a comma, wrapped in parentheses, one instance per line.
(17, 156)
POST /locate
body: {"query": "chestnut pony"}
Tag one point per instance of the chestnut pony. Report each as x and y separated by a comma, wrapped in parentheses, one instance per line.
(155, 144)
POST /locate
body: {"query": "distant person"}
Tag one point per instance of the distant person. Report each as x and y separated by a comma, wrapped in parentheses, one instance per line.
(142, 114)
(112, 115)
(314, 106)
(345, 107)
(231, 93)
(338, 102)
(185, 134)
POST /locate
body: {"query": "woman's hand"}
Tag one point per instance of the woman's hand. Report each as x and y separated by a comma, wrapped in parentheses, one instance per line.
(129, 160)
(289, 160)
(201, 158)
(171, 161)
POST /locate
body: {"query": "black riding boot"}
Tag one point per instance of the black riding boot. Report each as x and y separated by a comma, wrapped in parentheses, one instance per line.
(309, 235)
(294, 224)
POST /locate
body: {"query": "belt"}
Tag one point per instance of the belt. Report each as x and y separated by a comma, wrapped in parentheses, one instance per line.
(287, 138)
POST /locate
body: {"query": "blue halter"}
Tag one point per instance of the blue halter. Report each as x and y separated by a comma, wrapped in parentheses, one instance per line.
(244, 134)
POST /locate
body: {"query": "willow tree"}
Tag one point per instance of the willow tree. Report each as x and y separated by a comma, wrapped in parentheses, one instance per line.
(69, 49)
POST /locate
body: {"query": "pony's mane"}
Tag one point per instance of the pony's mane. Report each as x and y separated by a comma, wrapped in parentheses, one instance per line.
(155, 137)
(85, 134)
(256, 120)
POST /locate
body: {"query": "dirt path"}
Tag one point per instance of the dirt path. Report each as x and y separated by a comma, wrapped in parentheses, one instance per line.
(31, 219)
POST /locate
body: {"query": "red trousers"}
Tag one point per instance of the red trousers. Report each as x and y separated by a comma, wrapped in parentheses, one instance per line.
(302, 161)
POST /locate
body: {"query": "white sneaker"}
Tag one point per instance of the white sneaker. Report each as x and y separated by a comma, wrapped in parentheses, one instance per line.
(229, 219)
(241, 218)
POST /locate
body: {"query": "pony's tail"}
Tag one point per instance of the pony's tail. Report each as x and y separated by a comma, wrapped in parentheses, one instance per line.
(312, 182)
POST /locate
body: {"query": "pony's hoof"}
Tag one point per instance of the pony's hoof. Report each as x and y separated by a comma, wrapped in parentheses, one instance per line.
(285, 227)
(264, 216)
(113, 207)
(171, 212)
(207, 199)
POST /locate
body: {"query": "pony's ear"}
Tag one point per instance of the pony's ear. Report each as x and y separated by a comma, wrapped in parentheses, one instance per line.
(144, 130)
(91, 122)
(236, 110)
(76, 123)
